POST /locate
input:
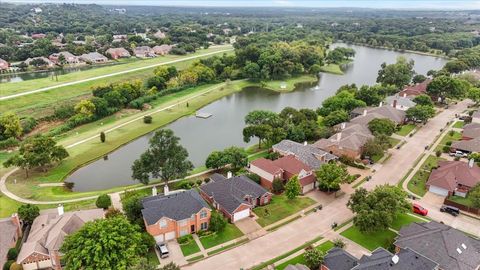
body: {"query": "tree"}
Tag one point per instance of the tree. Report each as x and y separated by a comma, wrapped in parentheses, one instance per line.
(103, 201)
(217, 222)
(10, 126)
(215, 160)
(382, 126)
(398, 74)
(236, 157)
(278, 186)
(369, 95)
(423, 100)
(170, 266)
(313, 257)
(165, 158)
(372, 148)
(474, 94)
(420, 113)
(474, 195)
(419, 78)
(102, 137)
(378, 209)
(144, 264)
(111, 243)
(447, 87)
(335, 117)
(132, 206)
(37, 151)
(85, 108)
(455, 66)
(28, 213)
(293, 188)
(260, 124)
(252, 71)
(330, 176)
(344, 100)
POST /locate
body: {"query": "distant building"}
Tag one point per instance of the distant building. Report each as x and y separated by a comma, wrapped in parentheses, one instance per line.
(4, 64)
(69, 58)
(119, 38)
(37, 10)
(159, 34)
(308, 154)
(116, 53)
(415, 89)
(38, 36)
(364, 115)
(93, 58)
(48, 62)
(11, 231)
(400, 102)
(144, 52)
(162, 49)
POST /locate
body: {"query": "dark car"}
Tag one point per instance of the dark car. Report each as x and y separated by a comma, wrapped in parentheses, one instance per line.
(454, 211)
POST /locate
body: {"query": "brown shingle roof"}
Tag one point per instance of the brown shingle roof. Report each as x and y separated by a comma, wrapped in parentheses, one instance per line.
(451, 173)
(472, 145)
(266, 165)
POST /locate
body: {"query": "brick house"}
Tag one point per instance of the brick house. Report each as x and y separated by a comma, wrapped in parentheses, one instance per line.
(93, 58)
(46, 236)
(283, 168)
(4, 64)
(471, 131)
(144, 52)
(162, 49)
(69, 58)
(415, 89)
(308, 154)
(116, 53)
(453, 178)
(170, 216)
(11, 231)
(234, 196)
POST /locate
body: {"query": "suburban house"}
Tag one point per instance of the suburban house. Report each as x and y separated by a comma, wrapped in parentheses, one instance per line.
(338, 259)
(48, 62)
(311, 156)
(11, 231)
(476, 117)
(398, 102)
(93, 58)
(415, 89)
(4, 64)
(116, 53)
(159, 34)
(471, 131)
(283, 168)
(466, 146)
(144, 52)
(364, 115)
(234, 196)
(119, 38)
(38, 36)
(453, 178)
(46, 236)
(69, 58)
(349, 141)
(450, 248)
(162, 49)
(170, 216)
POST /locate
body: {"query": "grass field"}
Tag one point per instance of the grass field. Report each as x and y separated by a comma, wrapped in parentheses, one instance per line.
(405, 129)
(459, 124)
(189, 248)
(231, 232)
(279, 208)
(324, 247)
(418, 182)
(332, 68)
(370, 241)
(404, 219)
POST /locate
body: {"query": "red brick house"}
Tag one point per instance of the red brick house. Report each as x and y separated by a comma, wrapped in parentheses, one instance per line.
(283, 168)
(116, 53)
(415, 89)
(234, 196)
(4, 64)
(171, 216)
(453, 178)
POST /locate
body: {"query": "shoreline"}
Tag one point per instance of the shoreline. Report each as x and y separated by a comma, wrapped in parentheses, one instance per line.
(398, 50)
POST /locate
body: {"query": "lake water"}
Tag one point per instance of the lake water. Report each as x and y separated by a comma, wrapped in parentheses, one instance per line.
(224, 128)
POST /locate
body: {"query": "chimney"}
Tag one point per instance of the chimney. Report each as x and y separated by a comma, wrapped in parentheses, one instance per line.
(339, 136)
(394, 105)
(364, 112)
(404, 94)
(470, 163)
(166, 190)
(305, 143)
(60, 210)
(154, 191)
(229, 175)
(16, 220)
(342, 125)
(381, 104)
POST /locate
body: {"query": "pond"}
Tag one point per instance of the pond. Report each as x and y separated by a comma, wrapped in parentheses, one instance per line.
(224, 128)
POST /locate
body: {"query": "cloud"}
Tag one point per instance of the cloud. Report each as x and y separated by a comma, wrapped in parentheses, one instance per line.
(284, 3)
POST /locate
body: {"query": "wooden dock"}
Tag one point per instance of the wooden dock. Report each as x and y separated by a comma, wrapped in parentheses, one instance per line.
(203, 115)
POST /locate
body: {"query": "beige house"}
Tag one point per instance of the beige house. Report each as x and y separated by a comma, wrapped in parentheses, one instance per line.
(42, 248)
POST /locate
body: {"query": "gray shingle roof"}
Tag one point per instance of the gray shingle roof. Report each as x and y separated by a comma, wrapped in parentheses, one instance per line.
(177, 206)
(448, 247)
(8, 232)
(472, 145)
(231, 193)
(339, 259)
(406, 259)
(308, 154)
(385, 111)
(296, 267)
(401, 101)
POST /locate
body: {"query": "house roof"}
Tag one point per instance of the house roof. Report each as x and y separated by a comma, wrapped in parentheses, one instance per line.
(230, 193)
(401, 101)
(386, 111)
(9, 230)
(471, 132)
(451, 173)
(142, 49)
(353, 137)
(296, 267)
(291, 164)
(308, 154)
(406, 259)
(472, 145)
(162, 48)
(93, 56)
(177, 206)
(339, 259)
(471, 126)
(49, 230)
(3, 61)
(415, 89)
(267, 165)
(449, 247)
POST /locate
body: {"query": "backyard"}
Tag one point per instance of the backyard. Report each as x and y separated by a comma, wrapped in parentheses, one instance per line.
(279, 208)
(418, 182)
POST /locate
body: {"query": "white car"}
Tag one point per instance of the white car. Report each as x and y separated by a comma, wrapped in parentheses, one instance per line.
(163, 250)
(458, 154)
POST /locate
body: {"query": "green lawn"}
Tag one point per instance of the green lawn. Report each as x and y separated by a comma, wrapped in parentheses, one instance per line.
(461, 200)
(393, 141)
(332, 68)
(405, 129)
(152, 257)
(455, 137)
(190, 248)
(231, 232)
(459, 124)
(279, 208)
(404, 219)
(418, 182)
(324, 247)
(370, 241)
(218, 250)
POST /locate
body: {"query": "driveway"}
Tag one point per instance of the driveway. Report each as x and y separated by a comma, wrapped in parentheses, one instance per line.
(175, 254)
(250, 228)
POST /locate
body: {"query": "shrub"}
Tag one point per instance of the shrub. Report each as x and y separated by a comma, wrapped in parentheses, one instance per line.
(449, 143)
(446, 149)
(199, 182)
(217, 222)
(68, 185)
(339, 243)
(102, 137)
(204, 233)
(255, 178)
(64, 111)
(273, 155)
(28, 124)
(147, 119)
(278, 186)
(16, 266)
(7, 265)
(206, 180)
(313, 257)
(103, 201)
(185, 239)
(438, 153)
(112, 212)
(12, 254)
(9, 143)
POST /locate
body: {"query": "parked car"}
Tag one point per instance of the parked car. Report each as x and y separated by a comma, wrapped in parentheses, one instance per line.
(163, 250)
(458, 154)
(454, 211)
(418, 209)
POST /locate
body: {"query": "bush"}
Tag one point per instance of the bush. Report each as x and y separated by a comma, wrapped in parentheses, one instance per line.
(112, 212)
(12, 254)
(446, 149)
(28, 124)
(103, 201)
(206, 180)
(16, 266)
(7, 265)
(102, 137)
(185, 239)
(9, 143)
(204, 233)
(64, 111)
(438, 153)
(273, 155)
(199, 182)
(278, 186)
(217, 222)
(68, 185)
(147, 119)
(449, 143)
(351, 162)
(338, 243)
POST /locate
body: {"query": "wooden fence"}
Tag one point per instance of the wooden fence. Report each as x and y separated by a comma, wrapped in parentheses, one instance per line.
(462, 207)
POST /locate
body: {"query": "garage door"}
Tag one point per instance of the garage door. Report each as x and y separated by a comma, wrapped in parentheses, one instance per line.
(170, 236)
(241, 215)
(308, 187)
(159, 238)
(438, 190)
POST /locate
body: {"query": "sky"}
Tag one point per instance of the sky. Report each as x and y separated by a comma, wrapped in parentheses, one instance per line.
(391, 4)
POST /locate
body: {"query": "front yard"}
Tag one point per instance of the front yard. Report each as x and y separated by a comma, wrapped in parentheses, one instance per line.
(370, 241)
(405, 130)
(459, 124)
(450, 137)
(405, 219)
(324, 247)
(279, 208)
(188, 245)
(418, 182)
(231, 232)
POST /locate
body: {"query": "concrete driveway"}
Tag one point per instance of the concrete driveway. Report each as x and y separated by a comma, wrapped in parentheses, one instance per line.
(175, 256)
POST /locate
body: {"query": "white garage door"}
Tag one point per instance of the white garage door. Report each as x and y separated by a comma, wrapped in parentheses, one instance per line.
(241, 215)
(308, 187)
(438, 190)
(170, 236)
(159, 238)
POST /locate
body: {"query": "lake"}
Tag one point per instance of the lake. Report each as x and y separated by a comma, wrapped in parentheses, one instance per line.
(202, 136)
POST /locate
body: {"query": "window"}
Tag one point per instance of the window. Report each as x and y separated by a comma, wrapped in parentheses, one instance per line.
(182, 222)
(203, 214)
(204, 226)
(163, 223)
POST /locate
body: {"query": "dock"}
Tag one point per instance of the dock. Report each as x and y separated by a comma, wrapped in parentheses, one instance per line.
(203, 115)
